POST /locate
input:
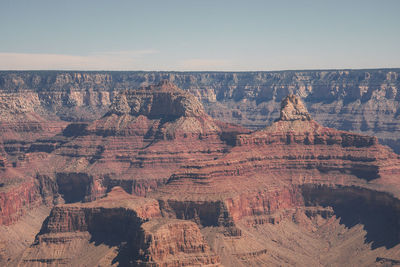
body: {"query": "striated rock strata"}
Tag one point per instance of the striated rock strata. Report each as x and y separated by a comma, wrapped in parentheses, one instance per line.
(169, 242)
(300, 174)
(146, 136)
(364, 101)
(118, 229)
(202, 192)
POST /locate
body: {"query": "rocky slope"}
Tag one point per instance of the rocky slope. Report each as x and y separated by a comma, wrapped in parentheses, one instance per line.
(145, 136)
(118, 229)
(297, 173)
(201, 192)
(22, 210)
(364, 101)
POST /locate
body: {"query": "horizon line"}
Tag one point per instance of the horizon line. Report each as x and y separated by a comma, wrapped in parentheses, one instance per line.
(182, 71)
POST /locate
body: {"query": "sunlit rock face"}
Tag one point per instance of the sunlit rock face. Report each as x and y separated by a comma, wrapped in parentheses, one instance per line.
(364, 101)
(146, 135)
(292, 108)
(291, 178)
(156, 181)
(118, 229)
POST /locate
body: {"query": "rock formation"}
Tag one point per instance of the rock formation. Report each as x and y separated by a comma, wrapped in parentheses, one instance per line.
(364, 101)
(174, 243)
(118, 228)
(300, 174)
(293, 109)
(146, 135)
(158, 182)
(22, 211)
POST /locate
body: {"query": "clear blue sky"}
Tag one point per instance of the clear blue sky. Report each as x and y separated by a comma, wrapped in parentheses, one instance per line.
(199, 35)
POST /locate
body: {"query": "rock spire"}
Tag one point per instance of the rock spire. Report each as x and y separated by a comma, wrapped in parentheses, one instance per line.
(292, 108)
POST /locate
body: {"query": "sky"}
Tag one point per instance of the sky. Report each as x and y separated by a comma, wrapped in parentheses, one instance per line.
(199, 35)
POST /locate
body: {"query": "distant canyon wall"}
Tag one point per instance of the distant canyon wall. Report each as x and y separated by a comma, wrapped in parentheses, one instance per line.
(366, 101)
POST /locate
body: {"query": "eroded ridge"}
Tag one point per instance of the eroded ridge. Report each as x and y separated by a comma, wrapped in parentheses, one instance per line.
(117, 229)
(275, 179)
(294, 193)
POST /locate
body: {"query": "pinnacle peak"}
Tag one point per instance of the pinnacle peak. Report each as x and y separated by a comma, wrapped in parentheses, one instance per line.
(292, 108)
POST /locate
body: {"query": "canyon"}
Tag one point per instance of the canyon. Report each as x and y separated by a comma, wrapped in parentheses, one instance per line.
(199, 169)
(364, 101)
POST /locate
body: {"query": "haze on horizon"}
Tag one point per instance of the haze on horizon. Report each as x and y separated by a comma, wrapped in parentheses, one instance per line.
(208, 35)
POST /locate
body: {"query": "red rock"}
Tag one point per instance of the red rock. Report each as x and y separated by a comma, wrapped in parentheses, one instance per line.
(137, 148)
(121, 221)
(16, 196)
(289, 152)
(174, 243)
(117, 204)
(291, 165)
(293, 193)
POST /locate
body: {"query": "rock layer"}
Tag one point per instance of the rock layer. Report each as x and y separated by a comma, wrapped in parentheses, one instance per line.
(293, 193)
(174, 243)
(137, 148)
(292, 108)
(128, 225)
(266, 179)
(364, 101)
(16, 198)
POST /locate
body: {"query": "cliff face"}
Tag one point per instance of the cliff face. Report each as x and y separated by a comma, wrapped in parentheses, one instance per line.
(95, 228)
(18, 192)
(196, 191)
(118, 229)
(174, 243)
(165, 101)
(16, 199)
(364, 101)
(146, 135)
(302, 176)
(22, 211)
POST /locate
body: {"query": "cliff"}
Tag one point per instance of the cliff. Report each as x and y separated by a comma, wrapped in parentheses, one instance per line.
(16, 197)
(146, 135)
(118, 229)
(365, 101)
(197, 191)
(299, 174)
(294, 145)
(169, 242)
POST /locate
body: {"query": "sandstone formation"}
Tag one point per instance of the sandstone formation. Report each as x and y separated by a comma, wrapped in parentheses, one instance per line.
(169, 242)
(15, 197)
(364, 101)
(22, 211)
(137, 149)
(293, 109)
(299, 174)
(146, 136)
(155, 181)
(118, 229)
